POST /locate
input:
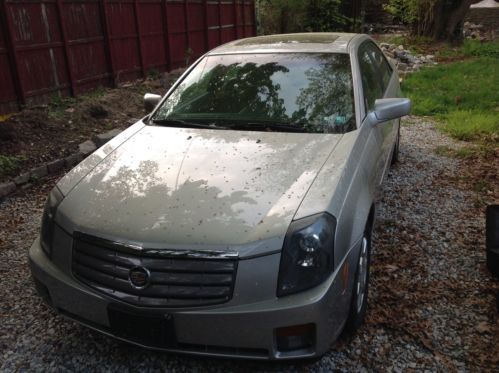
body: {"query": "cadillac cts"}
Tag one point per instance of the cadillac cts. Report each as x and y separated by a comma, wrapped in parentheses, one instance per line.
(235, 219)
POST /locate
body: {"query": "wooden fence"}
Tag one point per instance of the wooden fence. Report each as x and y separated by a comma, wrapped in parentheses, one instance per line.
(68, 47)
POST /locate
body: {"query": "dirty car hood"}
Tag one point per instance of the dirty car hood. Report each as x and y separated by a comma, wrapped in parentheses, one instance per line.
(196, 188)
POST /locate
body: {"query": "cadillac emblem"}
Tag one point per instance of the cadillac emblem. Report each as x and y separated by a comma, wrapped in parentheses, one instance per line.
(139, 277)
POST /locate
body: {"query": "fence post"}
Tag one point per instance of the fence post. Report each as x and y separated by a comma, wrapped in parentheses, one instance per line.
(109, 52)
(244, 18)
(166, 32)
(254, 18)
(139, 37)
(12, 53)
(220, 21)
(206, 29)
(235, 20)
(186, 23)
(60, 19)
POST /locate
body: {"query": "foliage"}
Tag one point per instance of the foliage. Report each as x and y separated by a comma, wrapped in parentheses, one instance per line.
(9, 164)
(325, 15)
(439, 19)
(464, 95)
(153, 74)
(410, 11)
(479, 49)
(471, 124)
(283, 16)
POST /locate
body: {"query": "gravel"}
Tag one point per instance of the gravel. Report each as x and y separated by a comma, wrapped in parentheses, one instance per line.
(431, 306)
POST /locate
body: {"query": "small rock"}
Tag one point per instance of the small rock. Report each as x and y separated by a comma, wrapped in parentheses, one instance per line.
(55, 166)
(22, 179)
(87, 147)
(7, 188)
(39, 172)
(73, 159)
(101, 139)
(430, 57)
(400, 47)
(402, 66)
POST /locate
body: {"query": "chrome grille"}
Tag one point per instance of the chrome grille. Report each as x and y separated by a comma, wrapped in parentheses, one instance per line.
(174, 281)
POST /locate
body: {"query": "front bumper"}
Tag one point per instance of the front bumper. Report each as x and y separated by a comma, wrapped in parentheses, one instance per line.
(237, 328)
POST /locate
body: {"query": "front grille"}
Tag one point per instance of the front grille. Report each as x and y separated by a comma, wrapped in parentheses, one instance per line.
(174, 282)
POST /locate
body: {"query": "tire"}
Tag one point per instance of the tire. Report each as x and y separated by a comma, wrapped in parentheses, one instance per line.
(492, 239)
(360, 292)
(396, 148)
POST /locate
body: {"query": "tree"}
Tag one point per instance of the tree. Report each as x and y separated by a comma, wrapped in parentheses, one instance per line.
(438, 19)
(284, 16)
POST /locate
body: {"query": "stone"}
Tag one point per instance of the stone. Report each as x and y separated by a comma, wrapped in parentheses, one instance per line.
(87, 147)
(410, 58)
(73, 159)
(384, 45)
(101, 139)
(39, 172)
(402, 66)
(55, 166)
(399, 53)
(22, 179)
(7, 188)
(400, 47)
(430, 57)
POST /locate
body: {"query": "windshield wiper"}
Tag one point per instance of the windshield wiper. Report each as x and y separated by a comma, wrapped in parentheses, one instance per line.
(268, 126)
(186, 124)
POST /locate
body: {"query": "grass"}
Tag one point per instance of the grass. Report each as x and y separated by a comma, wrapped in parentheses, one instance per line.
(473, 151)
(60, 103)
(463, 95)
(470, 48)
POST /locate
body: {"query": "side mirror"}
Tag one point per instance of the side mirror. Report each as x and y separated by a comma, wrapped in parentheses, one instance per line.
(389, 108)
(151, 101)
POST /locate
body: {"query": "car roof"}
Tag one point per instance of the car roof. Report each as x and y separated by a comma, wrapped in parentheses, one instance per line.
(324, 42)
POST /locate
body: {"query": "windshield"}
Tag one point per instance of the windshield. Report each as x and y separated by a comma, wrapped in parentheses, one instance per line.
(271, 92)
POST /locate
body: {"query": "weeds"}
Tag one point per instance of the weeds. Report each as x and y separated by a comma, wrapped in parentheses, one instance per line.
(9, 165)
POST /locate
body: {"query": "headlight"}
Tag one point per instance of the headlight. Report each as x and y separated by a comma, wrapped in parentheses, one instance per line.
(307, 255)
(47, 230)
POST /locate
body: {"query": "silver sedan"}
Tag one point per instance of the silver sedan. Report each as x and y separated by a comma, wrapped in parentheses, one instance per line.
(235, 219)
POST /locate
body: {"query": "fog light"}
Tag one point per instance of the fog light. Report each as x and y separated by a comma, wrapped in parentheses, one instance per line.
(297, 337)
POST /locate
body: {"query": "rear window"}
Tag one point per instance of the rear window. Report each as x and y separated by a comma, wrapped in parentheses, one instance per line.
(305, 92)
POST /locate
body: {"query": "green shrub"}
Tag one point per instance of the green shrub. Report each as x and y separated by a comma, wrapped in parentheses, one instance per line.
(471, 124)
(9, 165)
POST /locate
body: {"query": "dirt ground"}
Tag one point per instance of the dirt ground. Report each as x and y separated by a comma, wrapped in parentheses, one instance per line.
(48, 132)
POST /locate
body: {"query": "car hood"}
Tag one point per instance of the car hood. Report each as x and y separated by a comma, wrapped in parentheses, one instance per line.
(196, 188)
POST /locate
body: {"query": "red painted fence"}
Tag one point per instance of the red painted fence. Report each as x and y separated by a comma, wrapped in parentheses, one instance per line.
(52, 47)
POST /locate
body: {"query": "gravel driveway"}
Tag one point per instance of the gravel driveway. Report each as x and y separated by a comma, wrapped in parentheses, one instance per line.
(432, 302)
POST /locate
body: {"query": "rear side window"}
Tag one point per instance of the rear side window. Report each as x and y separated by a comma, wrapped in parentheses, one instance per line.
(380, 63)
(375, 73)
(371, 84)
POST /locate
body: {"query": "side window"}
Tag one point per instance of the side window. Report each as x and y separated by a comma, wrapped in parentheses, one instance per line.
(371, 84)
(380, 62)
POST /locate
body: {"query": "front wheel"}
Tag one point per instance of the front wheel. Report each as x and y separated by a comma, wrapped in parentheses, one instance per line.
(358, 306)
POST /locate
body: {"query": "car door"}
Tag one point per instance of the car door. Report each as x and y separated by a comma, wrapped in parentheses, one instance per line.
(378, 81)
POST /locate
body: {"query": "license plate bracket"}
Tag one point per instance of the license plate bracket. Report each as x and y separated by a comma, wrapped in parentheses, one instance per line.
(153, 330)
